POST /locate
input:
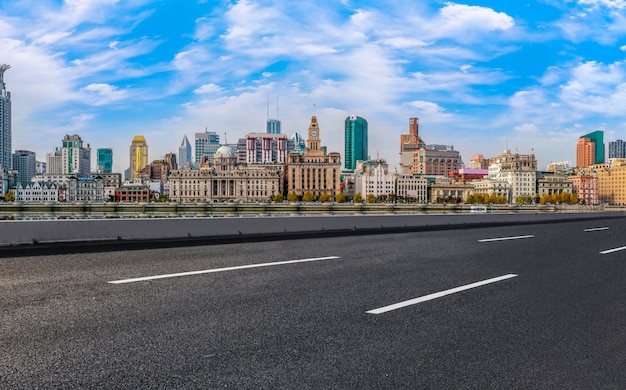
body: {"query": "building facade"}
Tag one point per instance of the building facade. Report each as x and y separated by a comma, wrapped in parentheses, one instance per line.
(611, 181)
(38, 191)
(617, 149)
(75, 158)
(585, 187)
(435, 160)
(206, 144)
(356, 148)
(224, 180)
(138, 156)
(5, 122)
(272, 126)
(411, 189)
(25, 163)
(264, 148)
(552, 183)
(519, 171)
(314, 170)
(590, 149)
(104, 160)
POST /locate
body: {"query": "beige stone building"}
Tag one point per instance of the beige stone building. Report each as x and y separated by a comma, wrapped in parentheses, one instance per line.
(446, 190)
(225, 180)
(314, 170)
(611, 181)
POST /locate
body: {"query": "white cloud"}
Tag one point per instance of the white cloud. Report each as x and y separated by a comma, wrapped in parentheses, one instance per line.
(458, 20)
(99, 94)
(207, 88)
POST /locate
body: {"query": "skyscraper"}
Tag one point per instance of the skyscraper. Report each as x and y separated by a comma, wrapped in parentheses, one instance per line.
(355, 141)
(105, 160)
(138, 156)
(272, 126)
(207, 144)
(184, 153)
(617, 149)
(5, 122)
(590, 149)
(25, 163)
(75, 158)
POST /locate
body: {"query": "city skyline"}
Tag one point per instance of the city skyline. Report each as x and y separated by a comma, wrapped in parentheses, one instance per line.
(483, 76)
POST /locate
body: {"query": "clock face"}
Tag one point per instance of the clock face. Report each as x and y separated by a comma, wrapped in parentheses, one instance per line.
(314, 133)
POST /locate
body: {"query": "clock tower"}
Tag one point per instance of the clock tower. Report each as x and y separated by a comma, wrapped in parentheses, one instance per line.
(313, 142)
(314, 171)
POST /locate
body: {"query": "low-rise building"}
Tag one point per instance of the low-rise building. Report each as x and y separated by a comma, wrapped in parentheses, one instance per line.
(225, 180)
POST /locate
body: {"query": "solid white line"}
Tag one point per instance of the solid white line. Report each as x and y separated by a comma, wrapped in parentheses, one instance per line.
(613, 250)
(505, 238)
(208, 271)
(438, 295)
(596, 229)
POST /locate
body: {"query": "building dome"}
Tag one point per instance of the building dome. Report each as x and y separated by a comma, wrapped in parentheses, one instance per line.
(225, 152)
(139, 139)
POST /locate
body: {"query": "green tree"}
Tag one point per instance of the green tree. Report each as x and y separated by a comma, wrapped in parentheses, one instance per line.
(10, 196)
(471, 199)
(292, 197)
(371, 198)
(324, 197)
(278, 197)
(308, 197)
(357, 198)
(340, 197)
(164, 198)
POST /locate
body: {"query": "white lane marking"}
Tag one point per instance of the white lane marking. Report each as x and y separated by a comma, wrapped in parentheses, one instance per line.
(613, 250)
(208, 271)
(438, 295)
(596, 229)
(505, 238)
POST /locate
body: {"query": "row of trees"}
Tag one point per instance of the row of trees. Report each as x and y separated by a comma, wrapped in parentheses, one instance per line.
(308, 196)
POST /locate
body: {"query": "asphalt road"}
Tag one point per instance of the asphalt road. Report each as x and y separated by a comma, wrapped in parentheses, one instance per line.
(550, 313)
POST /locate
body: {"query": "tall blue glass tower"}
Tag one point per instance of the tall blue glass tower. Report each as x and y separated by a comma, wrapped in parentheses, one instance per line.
(355, 141)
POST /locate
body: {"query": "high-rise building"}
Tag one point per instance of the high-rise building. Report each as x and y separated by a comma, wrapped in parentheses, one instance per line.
(412, 141)
(54, 162)
(617, 149)
(272, 126)
(206, 144)
(105, 160)
(75, 158)
(25, 163)
(171, 161)
(355, 141)
(590, 149)
(314, 170)
(5, 122)
(138, 156)
(184, 153)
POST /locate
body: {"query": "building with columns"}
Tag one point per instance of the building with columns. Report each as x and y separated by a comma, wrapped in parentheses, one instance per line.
(314, 170)
(224, 179)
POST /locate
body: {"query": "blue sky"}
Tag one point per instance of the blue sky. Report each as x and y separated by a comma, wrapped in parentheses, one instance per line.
(532, 76)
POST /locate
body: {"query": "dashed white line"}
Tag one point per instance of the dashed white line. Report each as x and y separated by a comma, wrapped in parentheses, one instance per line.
(429, 297)
(613, 250)
(208, 271)
(505, 238)
(596, 229)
